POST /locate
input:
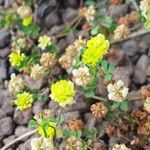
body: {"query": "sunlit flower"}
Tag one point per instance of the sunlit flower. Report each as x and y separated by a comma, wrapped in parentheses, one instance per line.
(121, 32)
(147, 104)
(48, 60)
(117, 91)
(63, 92)
(44, 41)
(24, 11)
(74, 144)
(16, 84)
(23, 101)
(120, 147)
(16, 58)
(37, 72)
(81, 76)
(145, 5)
(49, 132)
(96, 48)
(41, 143)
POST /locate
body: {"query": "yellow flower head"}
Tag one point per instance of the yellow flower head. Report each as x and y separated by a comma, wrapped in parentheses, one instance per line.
(63, 92)
(24, 101)
(96, 48)
(49, 132)
(16, 58)
(44, 41)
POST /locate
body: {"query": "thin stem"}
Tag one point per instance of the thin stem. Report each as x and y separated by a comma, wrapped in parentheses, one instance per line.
(99, 98)
(19, 139)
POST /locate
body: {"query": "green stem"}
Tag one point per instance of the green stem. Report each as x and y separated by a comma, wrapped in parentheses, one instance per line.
(99, 98)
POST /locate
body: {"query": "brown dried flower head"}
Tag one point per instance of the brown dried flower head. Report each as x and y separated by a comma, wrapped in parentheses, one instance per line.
(147, 125)
(145, 92)
(123, 20)
(133, 16)
(75, 124)
(116, 2)
(121, 32)
(48, 60)
(99, 110)
(66, 61)
(110, 130)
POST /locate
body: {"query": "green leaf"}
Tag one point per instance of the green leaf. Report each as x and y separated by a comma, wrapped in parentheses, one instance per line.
(108, 77)
(124, 106)
(89, 93)
(107, 105)
(89, 2)
(104, 65)
(111, 68)
(32, 123)
(95, 31)
(52, 48)
(116, 105)
(41, 98)
(27, 21)
(107, 21)
(128, 1)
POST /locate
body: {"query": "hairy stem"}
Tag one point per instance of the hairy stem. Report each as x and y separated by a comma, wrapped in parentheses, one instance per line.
(19, 139)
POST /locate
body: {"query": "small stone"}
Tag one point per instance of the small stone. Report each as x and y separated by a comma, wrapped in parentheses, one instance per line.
(117, 11)
(22, 117)
(51, 19)
(130, 47)
(25, 146)
(34, 84)
(3, 71)
(8, 3)
(69, 15)
(9, 139)
(72, 3)
(20, 130)
(4, 53)
(148, 70)
(70, 115)
(1, 2)
(6, 127)
(37, 107)
(122, 73)
(62, 45)
(116, 56)
(90, 120)
(55, 30)
(140, 69)
(5, 38)
(56, 71)
(70, 38)
(2, 113)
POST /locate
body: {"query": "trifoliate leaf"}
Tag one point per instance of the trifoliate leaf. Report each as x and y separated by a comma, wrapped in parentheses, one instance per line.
(27, 21)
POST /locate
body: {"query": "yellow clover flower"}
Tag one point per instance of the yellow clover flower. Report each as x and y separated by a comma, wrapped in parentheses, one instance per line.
(44, 41)
(16, 58)
(49, 132)
(96, 48)
(62, 92)
(23, 101)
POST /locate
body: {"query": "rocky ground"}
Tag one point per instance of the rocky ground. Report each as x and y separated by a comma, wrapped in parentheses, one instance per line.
(131, 57)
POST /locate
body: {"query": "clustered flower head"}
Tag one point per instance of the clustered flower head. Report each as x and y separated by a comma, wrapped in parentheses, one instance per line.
(75, 124)
(120, 147)
(96, 48)
(147, 104)
(121, 32)
(16, 84)
(73, 144)
(99, 110)
(81, 76)
(45, 114)
(48, 60)
(147, 125)
(23, 101)
(117, 91)
(37, 72)
(63, 92)
(24, 11)
(145, 5)
(44, 41)
(16, 58)
(42, 143)
(88, 12)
